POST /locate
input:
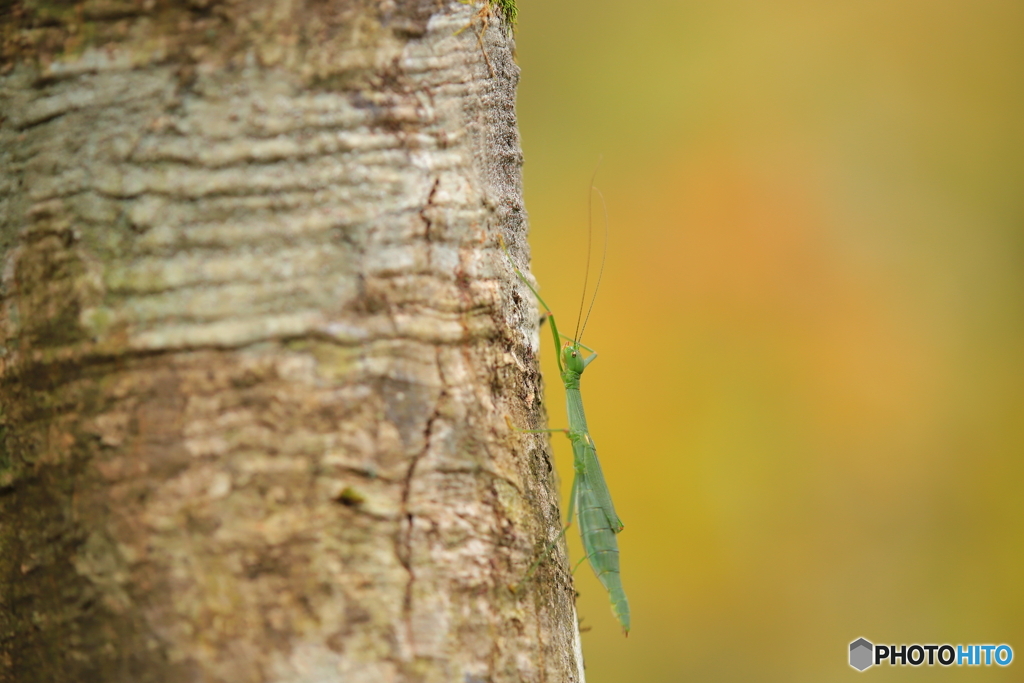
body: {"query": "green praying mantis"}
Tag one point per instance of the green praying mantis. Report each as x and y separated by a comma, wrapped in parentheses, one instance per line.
(589, 498)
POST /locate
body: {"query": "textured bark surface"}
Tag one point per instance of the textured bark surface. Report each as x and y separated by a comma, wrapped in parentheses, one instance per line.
(259, 346)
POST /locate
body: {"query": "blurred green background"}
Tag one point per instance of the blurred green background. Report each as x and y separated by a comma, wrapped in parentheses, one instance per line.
(809, 396)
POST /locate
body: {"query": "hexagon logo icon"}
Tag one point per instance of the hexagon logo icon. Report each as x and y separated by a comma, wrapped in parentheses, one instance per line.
(861, 652)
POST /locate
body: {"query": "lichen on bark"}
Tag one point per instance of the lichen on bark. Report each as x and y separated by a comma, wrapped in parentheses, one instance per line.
(259, 346)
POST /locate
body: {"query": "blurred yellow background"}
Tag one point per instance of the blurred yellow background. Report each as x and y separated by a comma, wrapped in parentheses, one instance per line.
(808, 401)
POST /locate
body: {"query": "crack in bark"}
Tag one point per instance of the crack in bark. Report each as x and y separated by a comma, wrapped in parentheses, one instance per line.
(404, 541)
(428, 223)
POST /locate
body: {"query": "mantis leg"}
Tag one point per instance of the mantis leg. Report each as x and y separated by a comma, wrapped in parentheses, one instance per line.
(547, 552)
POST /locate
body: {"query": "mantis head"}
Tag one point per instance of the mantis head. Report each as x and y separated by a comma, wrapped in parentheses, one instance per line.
(572, 358)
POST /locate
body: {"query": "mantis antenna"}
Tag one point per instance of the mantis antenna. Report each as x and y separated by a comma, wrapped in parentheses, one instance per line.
(604, 255)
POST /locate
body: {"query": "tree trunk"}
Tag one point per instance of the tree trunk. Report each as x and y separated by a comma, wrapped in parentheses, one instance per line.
(259, 347)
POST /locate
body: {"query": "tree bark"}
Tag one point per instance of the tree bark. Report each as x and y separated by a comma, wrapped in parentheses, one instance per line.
(259, 347)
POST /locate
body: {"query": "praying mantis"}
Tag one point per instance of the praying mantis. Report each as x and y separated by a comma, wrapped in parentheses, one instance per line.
(589, 498)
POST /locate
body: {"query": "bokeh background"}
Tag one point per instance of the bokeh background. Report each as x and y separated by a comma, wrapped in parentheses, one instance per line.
(809, 396)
